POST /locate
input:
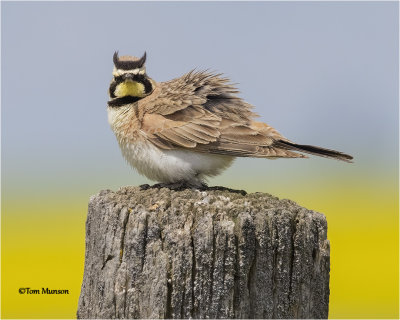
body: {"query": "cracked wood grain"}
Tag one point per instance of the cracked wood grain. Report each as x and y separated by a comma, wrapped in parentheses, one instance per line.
(215, 253)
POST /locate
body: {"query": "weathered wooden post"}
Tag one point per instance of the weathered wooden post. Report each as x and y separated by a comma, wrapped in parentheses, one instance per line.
(159, 253)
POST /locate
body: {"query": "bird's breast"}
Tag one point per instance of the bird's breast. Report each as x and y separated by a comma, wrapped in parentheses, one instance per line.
(124, 122)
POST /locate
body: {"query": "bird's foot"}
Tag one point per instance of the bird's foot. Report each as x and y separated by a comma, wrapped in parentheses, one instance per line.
(220, 188)
(176, 186)
(182, 185)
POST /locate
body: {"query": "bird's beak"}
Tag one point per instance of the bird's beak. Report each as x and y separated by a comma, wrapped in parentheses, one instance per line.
(128, 77)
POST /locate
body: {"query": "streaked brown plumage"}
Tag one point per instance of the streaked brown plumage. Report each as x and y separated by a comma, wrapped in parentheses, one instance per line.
(199, 113)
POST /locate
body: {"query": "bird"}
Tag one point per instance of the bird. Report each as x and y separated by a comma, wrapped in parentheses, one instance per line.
(190, 128)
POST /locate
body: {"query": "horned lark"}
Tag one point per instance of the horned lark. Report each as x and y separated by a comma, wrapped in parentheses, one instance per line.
(189, 128)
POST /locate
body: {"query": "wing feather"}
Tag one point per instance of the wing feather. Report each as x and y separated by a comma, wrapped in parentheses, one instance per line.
(176, 139)
(201, 111)
(196, 135)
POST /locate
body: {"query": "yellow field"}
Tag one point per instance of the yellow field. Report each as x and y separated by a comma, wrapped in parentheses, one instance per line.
(43, 246)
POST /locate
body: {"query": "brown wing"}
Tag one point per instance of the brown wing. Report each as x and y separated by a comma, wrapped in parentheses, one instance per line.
(185, 128)
(255, 139)
(201, 111)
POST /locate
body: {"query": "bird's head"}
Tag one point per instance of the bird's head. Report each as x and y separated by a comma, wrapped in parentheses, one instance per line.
(130, 82)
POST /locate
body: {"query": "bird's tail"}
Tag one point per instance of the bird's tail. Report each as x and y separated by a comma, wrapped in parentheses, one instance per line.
(322, 152)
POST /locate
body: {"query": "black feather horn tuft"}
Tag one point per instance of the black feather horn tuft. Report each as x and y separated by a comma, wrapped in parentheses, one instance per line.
(142, 60)
(116, 58)
(128, 64)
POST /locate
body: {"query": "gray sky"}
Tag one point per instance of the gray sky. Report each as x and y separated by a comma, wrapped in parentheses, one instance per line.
(322, 73)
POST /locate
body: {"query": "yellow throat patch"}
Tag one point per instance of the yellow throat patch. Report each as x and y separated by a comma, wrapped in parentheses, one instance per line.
(130, 88)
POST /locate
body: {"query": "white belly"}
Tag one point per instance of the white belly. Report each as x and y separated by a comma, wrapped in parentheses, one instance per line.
(173, 165)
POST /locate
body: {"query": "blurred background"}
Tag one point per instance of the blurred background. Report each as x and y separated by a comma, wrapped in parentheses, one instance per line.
(322, 73)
